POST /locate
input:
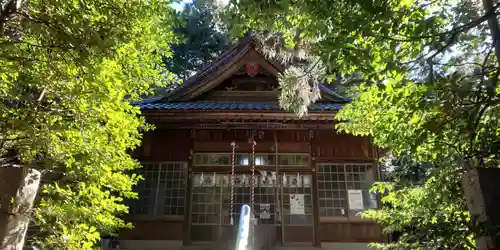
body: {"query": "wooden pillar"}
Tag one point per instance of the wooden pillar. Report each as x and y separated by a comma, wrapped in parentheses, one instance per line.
(188, 196)
(315, 198)
(378, 177)
(483, 200)
(147, 142)
(279, 191)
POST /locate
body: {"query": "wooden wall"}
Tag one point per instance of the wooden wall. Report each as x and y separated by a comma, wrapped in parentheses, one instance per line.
(350, 232)
(327, 145)
(160, 145)
(165, 145)
(152, 229)
(323, 145)
(330, 146)
(220, 140)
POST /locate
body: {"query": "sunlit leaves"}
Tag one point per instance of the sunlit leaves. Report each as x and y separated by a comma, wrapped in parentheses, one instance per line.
(445, 125)
(368, 38)
(425, 217)
(68, 80)
(445, 118)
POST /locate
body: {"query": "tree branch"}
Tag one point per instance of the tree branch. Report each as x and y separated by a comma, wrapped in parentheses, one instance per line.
(41, 95)
(493, 26)
(490, 14)
(10, 8)
(437, 52)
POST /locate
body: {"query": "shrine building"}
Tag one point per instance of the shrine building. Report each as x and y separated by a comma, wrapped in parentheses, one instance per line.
(305, 182)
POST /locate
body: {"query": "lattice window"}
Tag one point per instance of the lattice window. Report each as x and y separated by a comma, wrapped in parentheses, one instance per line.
(162, 192)
(206, 205)
(299, 160)
(224, 159)
(299, 188)
(219, 159)
(265, 159)
(211, 202)
(211, 196)
(265, 195)
(334, 183)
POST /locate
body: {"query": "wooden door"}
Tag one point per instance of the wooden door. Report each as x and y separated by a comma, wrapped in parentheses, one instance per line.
(296, 206)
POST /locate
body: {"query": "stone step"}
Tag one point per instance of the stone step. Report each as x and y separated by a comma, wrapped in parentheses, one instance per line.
(208, 247)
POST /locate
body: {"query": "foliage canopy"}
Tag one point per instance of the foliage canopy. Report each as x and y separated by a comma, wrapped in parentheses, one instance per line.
(203, 38)
(70, 72)
(425, 80)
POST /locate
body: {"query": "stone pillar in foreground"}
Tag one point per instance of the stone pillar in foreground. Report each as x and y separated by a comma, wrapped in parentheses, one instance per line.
(482, 193)
(18, 189)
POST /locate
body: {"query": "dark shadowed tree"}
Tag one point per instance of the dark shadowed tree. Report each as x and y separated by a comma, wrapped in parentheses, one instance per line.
(203, 38)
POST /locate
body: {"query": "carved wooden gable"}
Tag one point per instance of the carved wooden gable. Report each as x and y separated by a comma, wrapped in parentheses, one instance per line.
(240, 75)
(255, 86)
(241, 81)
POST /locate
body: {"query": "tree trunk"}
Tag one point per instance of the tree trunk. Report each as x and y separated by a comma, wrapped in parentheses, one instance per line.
(493, 25)
(483, 199)
(19, 187)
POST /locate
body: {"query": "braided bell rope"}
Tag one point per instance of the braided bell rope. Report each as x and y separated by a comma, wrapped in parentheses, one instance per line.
(233, 145)
(252, 192)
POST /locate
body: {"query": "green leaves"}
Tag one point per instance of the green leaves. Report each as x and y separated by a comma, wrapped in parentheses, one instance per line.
(425, 217)
(202, 38)
(426, 89)
(438, 124)
(369, 40)
(68, 77)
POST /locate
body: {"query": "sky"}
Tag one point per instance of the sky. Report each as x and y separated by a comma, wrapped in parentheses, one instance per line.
(179, 6)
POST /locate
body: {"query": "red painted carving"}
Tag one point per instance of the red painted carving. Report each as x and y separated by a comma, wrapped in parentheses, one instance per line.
(252, 69)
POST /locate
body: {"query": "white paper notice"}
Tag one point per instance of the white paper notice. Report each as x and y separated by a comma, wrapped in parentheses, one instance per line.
(265, 211)
(297, 204)
(355, 199)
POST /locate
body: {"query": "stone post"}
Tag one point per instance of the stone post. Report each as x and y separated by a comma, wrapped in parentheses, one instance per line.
(18, 189)
(482, 193)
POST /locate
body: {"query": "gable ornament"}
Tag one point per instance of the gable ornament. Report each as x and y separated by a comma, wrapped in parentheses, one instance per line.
(252, 69)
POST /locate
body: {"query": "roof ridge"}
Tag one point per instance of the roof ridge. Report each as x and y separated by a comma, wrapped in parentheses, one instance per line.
(234, 48)
(233, 106)
(149, 100)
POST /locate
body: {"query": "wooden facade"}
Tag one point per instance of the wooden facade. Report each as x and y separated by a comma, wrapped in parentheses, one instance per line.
(293, 157)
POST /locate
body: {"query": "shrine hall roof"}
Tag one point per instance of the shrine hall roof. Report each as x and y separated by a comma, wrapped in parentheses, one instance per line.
(145, 105)
(188, 95)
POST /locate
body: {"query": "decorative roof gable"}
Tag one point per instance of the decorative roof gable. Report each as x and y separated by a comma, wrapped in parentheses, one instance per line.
(242, 55)
(243, 58)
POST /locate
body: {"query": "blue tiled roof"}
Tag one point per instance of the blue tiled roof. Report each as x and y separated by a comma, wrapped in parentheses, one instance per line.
(226, 58)
(230, 106)
(329, 90)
